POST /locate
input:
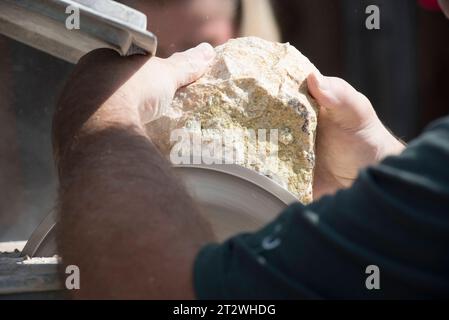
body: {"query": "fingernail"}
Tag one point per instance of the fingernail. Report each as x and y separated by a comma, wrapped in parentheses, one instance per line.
(322, 81)
(207, 50)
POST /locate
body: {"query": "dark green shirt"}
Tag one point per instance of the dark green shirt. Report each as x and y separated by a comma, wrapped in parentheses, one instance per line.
(395, 217)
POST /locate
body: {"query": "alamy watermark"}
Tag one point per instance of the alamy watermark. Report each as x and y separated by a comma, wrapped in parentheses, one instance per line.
(194, 145)
(73, 21)
(72, 281)
(372, 282)
(372, 22)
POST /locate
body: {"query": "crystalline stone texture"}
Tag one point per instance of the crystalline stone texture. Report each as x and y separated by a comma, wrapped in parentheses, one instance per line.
(253, 84)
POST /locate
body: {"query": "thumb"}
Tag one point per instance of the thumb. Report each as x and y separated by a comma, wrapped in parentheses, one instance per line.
(342, 103)
(190, 65)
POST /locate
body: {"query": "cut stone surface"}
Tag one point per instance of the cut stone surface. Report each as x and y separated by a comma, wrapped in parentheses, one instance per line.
(252, 85)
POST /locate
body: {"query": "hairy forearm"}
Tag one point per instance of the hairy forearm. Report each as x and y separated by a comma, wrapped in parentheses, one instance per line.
(125, 220)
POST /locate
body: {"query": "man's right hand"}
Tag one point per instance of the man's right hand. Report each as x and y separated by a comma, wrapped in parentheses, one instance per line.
(350, 135)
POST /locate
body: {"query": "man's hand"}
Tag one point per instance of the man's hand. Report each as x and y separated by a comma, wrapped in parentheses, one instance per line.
(350, 135)
(133, 90)
(124, 219)
(156, 82)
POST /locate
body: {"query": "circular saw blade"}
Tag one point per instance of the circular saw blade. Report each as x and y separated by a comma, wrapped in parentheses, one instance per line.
(232, 198)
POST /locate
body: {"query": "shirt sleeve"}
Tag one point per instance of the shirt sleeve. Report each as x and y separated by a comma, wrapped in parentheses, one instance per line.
(395, 217)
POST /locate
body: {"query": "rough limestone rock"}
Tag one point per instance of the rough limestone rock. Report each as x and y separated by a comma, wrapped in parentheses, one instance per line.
(253, 84)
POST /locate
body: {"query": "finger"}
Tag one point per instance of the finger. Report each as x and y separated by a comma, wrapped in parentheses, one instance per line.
(339, 98)
(190, 65)
(335, 93)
